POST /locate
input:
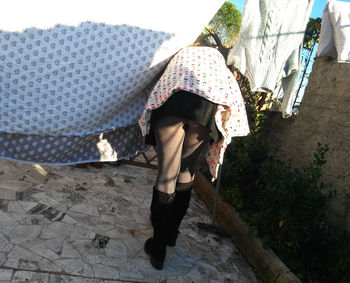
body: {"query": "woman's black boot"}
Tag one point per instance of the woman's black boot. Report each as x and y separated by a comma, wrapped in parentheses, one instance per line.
(162, 210)
(181, 204)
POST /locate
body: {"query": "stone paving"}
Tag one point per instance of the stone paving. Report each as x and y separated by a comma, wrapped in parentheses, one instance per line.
(68, 224)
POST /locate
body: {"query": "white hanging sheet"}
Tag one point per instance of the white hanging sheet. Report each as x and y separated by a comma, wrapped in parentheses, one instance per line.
(335, 31)
(267, 47)
(75, 75)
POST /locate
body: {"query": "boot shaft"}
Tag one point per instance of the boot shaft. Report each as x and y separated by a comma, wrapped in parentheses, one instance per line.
(162, 209)
(181, 204)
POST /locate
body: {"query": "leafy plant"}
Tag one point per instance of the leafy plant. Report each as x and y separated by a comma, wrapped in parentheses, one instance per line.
(225, 25)
(312, 33)
(286, 207)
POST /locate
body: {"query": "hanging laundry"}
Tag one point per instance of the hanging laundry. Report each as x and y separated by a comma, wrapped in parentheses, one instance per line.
(335, 31)
(268, 46)
(75, 75)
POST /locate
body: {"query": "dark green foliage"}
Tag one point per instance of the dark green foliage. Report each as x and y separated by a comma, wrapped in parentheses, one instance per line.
(225, 24)
(286, 207)
(312, 33)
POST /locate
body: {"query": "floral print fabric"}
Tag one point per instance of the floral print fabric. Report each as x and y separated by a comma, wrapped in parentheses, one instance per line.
(202, 71)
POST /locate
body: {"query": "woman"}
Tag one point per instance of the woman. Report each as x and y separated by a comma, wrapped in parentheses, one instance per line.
(195, 104)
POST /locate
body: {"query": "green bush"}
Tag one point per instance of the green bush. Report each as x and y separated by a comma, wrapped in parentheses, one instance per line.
(286, 207)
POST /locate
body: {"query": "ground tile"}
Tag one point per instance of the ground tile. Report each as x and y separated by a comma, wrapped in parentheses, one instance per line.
(27, 205)
(183, 266)
(54, 244)
(48, 201)
(85, 209)
(177, 279)
(79, 233)
(68, 220)
(75, 266)
(73, 279)
(15, 207)
(24, 276)
(129, 275)
(44, 251)
(116, 249)
(104, 272)
(47, 265)
(24, 233)
(80, 207)
(23, 258)
(140, 218)
(38, 196)
(95, 259)
(5, 245)
(57, 229)
(107, 219)
(6, 217)
(3, 258)
(68, 251)
(6, 274)
(81, 245)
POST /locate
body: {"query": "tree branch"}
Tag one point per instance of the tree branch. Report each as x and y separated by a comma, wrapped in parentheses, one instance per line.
(214, 35)
(222, 49)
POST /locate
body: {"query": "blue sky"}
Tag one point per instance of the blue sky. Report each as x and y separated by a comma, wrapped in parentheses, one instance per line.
(316, 12)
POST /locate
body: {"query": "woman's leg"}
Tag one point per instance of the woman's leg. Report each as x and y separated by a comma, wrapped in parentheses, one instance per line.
(170, 134)
(196, 138)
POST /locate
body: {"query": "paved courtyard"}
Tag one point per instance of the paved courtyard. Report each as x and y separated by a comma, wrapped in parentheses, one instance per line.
(69, 224)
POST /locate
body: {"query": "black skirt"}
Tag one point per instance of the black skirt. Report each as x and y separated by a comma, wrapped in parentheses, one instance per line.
(189, 106)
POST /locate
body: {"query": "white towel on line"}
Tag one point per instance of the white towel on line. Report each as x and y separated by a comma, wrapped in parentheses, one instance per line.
(335, 31)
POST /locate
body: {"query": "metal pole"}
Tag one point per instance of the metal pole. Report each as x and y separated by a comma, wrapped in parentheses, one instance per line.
(212, 227)
(305, 69)
(217, 194)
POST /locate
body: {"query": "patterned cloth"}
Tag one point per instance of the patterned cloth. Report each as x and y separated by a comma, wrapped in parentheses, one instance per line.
(75, 76)
(202, 71)
(75, 80)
